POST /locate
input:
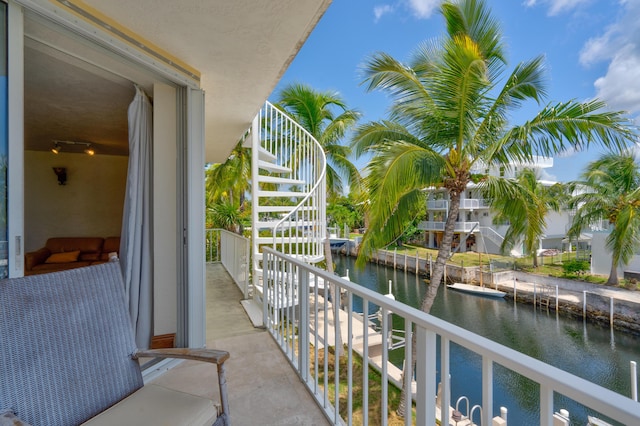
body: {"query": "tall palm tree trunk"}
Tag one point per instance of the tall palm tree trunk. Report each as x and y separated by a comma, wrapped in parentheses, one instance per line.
(334, 290)
(613, 275)
(432, 290)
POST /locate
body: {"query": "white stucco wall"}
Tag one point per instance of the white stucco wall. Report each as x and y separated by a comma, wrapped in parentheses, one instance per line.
(89, 205)
(601, 257)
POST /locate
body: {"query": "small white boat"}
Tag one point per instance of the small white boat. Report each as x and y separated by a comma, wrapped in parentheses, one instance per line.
(477, 290)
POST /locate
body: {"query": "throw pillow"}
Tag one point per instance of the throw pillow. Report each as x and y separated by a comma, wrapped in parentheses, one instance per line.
(64, 257)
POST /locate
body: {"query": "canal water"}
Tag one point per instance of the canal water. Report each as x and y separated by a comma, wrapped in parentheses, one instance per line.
(587, 350)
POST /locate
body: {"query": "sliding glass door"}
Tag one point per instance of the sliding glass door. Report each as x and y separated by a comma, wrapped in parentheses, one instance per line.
(4, 142)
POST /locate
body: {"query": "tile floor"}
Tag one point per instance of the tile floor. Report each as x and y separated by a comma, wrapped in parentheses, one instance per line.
(263, 388)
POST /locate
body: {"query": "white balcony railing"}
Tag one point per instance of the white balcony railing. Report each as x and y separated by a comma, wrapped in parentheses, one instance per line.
(473, 204)
(438, 205)
(232, 250)
(465, 204)
(303, 327)
(439, 226)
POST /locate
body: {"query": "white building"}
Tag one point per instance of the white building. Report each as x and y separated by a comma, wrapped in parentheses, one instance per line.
(475, 228)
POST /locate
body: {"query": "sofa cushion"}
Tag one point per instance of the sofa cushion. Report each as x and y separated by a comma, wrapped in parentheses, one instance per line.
(111, 244)
(64, 257)
(83, 244)
(89, 256)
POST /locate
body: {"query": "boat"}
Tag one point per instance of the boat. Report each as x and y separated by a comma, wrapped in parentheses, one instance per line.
(480, 290)
(477, 290)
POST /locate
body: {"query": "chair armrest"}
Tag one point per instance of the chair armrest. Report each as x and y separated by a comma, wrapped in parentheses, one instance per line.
(197, 354)
(36, 258)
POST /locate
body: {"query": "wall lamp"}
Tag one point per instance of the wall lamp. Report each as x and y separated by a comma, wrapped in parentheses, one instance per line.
(57, 146)
(61, 173)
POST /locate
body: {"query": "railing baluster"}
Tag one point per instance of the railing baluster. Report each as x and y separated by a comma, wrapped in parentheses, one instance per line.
(385, 360)
(487, 389)
(445, 378)
(350, 358)
(279, 270)
(365, 361)
(303, 325)
(546, 405)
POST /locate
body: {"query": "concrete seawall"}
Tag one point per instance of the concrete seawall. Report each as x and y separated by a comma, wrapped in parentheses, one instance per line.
(610, 306)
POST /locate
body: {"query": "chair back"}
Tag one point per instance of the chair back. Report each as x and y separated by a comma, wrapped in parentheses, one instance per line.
(65, 345)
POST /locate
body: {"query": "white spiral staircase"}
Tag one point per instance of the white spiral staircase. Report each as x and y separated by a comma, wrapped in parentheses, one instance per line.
(288, 189)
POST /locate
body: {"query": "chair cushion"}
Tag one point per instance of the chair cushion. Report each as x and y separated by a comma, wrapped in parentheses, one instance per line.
(156, 405)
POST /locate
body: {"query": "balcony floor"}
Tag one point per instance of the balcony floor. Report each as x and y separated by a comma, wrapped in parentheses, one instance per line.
(263, 388)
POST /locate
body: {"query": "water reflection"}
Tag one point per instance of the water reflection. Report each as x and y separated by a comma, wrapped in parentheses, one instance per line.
(598, 354)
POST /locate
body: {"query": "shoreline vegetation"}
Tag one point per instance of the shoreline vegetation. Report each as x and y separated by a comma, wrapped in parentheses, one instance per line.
(548, 265)
(595, 310)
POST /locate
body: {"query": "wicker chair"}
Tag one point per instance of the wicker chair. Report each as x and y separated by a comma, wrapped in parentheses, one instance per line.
(67, 356)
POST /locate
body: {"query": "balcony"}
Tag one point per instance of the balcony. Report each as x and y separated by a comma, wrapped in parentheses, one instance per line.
(274, 378)
(465, 204)
(474, 204)
(438, 205)
(263, 388)
(439, 226)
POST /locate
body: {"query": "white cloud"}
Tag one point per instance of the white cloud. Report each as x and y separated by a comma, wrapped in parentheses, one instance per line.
(557, 7)
(420, 9)
(620, 86)
(423, 9)
(380, 11)
(618, 45)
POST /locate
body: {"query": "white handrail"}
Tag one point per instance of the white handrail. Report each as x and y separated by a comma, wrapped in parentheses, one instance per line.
(298, 149)
(298, 330)
(232, 250)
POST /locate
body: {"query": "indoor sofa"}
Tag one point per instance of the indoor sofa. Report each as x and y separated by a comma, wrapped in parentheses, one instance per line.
(62, 253)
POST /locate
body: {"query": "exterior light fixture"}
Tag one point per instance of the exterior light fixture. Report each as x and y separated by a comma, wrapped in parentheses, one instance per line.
(88, 150)
(56, 148)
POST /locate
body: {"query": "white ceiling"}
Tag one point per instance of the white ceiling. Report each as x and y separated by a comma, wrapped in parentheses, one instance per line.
(241, 49)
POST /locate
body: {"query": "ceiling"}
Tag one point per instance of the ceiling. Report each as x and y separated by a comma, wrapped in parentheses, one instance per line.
(77, 91)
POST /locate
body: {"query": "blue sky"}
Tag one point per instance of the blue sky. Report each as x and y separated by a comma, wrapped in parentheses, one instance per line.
(592, 49)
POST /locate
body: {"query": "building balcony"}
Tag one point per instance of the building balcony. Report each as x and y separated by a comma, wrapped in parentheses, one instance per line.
(439, 226)
(275, 375)
(465, 204)
(438, 205)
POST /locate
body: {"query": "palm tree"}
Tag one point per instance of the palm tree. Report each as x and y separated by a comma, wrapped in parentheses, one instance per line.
(226, 186)
(524, 203)
(327, 118)
(609, 190)
(450, 112)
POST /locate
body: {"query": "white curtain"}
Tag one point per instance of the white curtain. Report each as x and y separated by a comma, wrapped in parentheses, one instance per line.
(136, 238)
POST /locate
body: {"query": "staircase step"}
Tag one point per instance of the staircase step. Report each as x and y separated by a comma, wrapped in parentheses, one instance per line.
(267, 156)
(270, 224)
(274, 168)
(286, 194)
(287, 240)
(282, 209)
(307, 258)
(281, 180)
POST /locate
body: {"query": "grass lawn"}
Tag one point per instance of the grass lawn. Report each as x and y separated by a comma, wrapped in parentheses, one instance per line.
(374, 386)
(547, 265)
